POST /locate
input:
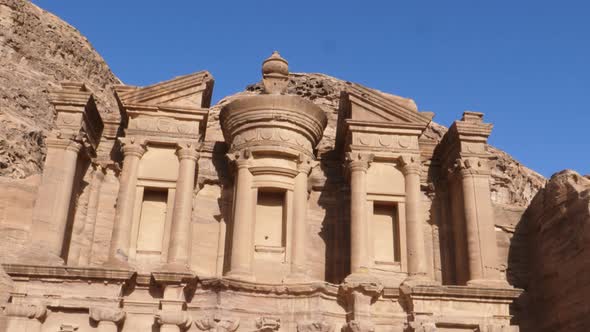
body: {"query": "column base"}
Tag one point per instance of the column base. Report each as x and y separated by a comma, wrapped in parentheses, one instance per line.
(241, 276)
(489, 283)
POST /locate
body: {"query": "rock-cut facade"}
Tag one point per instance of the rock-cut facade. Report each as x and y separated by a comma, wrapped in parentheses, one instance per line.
(269, 211)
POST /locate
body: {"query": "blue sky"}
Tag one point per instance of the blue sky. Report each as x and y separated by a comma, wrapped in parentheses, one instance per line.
(525, 64)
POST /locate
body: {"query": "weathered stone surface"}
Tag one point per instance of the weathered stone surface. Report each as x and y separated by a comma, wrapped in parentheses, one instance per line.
(38, 50)
(559, 235)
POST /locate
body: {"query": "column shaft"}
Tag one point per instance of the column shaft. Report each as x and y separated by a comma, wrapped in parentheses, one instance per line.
(119, 250)
(358, 217)
(414, 228)
(106, 326)
(473, 240)
(243, 223)
(299, 224)
(180, 233)
(90, 220)
(53, 202)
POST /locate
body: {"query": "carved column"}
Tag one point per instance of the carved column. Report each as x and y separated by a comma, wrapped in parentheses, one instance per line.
(173, 321)
(120, 242)
(55, 193)
(107, 319)
(358, 165)
(180, 234)
(481, 236)
(25, 317)
(300, 195)
(411, 169)
(243, 221)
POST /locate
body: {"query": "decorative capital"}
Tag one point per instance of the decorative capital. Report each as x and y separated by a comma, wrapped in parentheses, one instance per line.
(275, 74)
(314, 326)
(36, 311)
(57, 140)
(470, 167)
(68, 328)
(240, 158)
(410, 164)
(132, 147)
(100, 314)
(179, 318)
(268, 324)
(187, 151)
(359, 326)
(216, 324)
(305, 164)
(358, 161)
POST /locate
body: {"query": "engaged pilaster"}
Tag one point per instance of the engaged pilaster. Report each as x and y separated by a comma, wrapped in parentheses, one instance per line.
(120, 242)
(78, 128)
(300, 196)
(180, 234)
(358, 164)
(108, 319)
(243, 221)
(411, 168)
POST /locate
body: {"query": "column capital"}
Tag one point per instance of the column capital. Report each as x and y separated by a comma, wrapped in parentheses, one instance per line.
(36, 311)
(65, 143)
(470, 167)
(132, 147)
(359, 161)
(179, 318)
(240, 158)
(305, 164)
(106, 314)
(410, 164)
(359, 326)
(187, 151)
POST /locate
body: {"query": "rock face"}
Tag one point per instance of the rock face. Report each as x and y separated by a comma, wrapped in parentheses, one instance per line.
(559, 234)
(37, 50)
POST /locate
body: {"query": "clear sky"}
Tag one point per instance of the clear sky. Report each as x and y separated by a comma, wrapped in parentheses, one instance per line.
(525, 64)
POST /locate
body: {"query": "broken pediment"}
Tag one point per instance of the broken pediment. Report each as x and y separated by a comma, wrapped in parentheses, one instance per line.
(188, 91)
(358, 103)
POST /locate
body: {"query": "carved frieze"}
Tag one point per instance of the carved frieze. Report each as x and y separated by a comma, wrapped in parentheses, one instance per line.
(314, 326)
(270, 136)
(217, 324)
(384, 141)
(150, 126)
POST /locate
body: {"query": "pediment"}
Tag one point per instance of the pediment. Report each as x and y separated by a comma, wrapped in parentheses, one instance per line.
(361, 104)
(188, 91)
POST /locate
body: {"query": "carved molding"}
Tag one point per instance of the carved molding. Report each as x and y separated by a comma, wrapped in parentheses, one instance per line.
(314, 326)
(100, 314)
(216, 324)
(179, 318)
(36, 311)
(268, 324)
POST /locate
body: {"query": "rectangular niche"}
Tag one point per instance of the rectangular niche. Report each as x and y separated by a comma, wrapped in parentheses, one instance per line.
(386, 239)
(152, 222)
(271, 218)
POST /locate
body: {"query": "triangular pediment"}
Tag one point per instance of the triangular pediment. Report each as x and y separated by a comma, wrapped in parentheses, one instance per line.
(362, 104)
(192, 91)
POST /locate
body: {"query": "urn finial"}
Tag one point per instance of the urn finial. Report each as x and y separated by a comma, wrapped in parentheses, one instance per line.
(275, 74)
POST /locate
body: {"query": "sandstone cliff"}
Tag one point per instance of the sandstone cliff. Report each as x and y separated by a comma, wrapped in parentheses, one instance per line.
(558, 224)
(37, 50)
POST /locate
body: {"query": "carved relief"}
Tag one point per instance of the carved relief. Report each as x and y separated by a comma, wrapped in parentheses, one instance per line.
(100, 314)
(36, 311)
(179, 318)
(314, 326)
(216, 324)
(281, 135)
(359, 326)
(150, 125)
(375, 140)
(268, 324)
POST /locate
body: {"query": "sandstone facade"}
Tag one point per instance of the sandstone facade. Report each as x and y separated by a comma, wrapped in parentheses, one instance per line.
(304, 203)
